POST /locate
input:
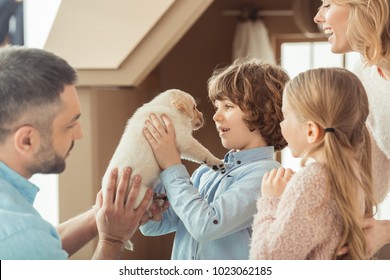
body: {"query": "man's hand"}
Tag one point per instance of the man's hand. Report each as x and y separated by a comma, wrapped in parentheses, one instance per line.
(116, 218)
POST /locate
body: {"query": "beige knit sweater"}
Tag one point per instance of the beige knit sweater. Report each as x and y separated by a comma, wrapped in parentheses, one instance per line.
(301, 224)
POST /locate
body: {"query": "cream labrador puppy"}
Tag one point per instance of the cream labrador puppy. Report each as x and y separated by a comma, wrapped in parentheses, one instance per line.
(134, 150)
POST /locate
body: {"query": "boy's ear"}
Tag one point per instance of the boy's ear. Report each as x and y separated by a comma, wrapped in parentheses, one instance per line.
(27, 140)
(313, 132)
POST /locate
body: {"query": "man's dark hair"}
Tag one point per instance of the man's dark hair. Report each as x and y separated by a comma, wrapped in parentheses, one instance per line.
(31, 80)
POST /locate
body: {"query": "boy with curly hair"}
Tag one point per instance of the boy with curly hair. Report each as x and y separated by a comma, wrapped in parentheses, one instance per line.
(212, 212)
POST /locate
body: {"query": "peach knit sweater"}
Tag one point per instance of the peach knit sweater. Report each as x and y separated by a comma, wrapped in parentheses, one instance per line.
(303, 223)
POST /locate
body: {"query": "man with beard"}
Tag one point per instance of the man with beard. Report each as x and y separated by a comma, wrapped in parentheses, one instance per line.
(39, 122)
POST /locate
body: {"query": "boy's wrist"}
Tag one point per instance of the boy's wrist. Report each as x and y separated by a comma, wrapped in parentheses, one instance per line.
(170, 164)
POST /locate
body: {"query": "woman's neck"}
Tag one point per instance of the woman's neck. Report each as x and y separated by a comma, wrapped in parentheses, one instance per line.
(384, 69)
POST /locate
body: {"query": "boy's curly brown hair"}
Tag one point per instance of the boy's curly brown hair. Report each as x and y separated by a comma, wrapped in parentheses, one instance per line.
(257, 88)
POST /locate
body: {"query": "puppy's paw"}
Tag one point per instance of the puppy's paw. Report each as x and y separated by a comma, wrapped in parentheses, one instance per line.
(215, 164)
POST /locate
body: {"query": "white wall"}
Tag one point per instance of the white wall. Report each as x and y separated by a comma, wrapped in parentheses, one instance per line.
(39, 16)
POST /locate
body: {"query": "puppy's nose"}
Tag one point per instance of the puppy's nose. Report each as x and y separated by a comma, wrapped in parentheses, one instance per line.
(198, 124)
(200, 120)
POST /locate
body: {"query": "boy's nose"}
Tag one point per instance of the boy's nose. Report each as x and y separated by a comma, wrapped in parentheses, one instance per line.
(216, 116)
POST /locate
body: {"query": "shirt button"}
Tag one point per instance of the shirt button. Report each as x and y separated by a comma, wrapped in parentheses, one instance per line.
(215, 222)
(238, 161)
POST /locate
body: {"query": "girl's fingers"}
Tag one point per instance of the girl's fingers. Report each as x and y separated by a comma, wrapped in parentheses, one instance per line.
(272, 173)
(265, 177)
(288, 173)
(280, 172)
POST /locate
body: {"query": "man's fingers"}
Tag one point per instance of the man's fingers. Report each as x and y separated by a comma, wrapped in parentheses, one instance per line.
(134, 191)
(110, 189)
(122, 187)
(99, 200)
(145, 202)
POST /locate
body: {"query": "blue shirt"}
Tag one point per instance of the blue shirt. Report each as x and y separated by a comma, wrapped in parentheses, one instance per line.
(212, 211)
(23, 232)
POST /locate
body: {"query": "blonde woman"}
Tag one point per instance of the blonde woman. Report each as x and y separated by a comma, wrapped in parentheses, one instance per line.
(313, 213)
(364, 26)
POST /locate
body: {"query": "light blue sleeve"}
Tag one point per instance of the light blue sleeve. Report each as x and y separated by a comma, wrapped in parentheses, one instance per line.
(232, 208)
(167, 225)
(32, 244)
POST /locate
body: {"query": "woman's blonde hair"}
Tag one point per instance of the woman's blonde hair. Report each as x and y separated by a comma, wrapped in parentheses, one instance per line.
(335, 98)
(368, 29)
(257, 88)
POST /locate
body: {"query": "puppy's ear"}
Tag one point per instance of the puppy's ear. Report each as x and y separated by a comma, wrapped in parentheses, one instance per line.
(178, 105)
(179, 102)
(182, 103)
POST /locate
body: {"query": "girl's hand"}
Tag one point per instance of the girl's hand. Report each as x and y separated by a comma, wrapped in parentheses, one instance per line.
(162, 139)
(275, 181)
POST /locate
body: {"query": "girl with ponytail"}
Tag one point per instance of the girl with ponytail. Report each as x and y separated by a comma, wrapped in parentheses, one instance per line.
(315, 212)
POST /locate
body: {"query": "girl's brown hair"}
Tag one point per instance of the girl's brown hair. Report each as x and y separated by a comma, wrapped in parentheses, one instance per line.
(257, 89)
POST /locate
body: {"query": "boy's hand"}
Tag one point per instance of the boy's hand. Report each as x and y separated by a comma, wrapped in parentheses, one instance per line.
(162, 139)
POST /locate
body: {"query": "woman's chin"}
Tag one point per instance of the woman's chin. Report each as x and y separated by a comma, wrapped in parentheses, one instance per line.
(337, 49)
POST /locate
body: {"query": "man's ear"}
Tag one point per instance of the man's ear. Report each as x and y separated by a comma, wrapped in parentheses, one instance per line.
(313, 132)
(27, 140)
